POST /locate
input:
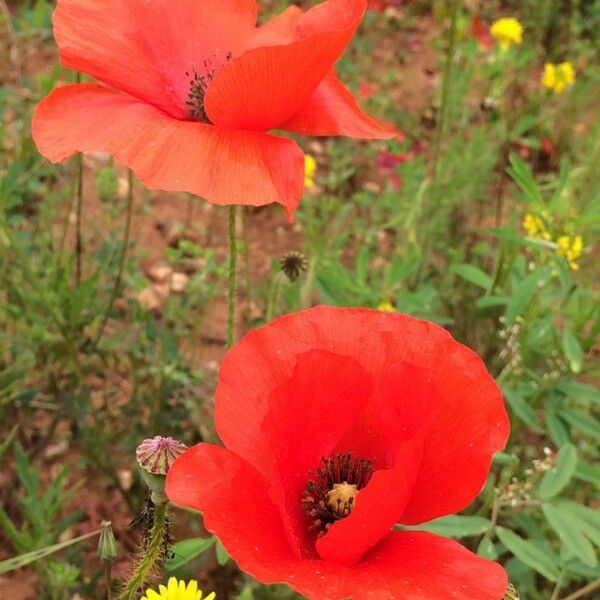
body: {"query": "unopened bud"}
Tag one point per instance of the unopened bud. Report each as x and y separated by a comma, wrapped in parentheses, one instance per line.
(155, 456)
(107, 545)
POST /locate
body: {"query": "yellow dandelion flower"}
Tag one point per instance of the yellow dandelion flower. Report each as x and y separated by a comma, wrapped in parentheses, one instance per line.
(507, 31)
(386, 306)
(177, 590)
(310, 168)
(570, 248)
(558, 77)
(535, 227)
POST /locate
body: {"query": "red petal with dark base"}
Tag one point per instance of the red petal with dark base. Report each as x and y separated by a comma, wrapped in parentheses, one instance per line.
(308, 415)
(265, 87)
(237, 507)
(223, 166)
(468, 425)
(145, 48)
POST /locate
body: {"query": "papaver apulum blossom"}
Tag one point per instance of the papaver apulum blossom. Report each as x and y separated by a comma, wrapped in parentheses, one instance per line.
(339, 424)
(188, 90)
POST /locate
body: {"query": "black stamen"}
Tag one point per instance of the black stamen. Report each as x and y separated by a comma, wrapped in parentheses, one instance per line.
(316, 500)
(198, 86)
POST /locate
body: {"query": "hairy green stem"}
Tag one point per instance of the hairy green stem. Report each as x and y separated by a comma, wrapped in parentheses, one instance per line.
(231, 297)
(149, 557)
(121, 268)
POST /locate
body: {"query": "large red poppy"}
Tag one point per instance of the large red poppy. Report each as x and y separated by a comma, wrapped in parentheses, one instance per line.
(189, 89)
(338, 424)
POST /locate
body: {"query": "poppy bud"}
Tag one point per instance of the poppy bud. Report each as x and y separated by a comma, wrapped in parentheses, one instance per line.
(155, 456)
(107, 545)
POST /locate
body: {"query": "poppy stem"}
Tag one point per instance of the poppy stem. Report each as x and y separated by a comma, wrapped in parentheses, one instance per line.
(232, 273)
(446, 85)
(78, 216)
(150, 556)
(121, 268)
(79, 210)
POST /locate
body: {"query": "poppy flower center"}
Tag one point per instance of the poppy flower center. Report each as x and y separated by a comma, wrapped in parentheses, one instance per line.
(199, 82)
(330, 493)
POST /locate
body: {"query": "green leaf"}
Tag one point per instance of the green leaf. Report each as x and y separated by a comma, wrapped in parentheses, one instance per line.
(587, 472)
(558, 477)
(521, 408)
(222, 555)
(522, 176)
(523, 294)
(583, 421)
(579, 391)
(487, 548)
(187, 550)
(473, 274)
(530, 553)
(570, 535)
(456, 526)
(25, 559)
(587, 519)
(572, 349)
(491, 301)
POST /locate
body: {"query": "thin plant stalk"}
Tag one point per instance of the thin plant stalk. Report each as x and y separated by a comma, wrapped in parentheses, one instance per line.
(79, 209)
(78, 217)
(122, 258)
(446, 85)
(15, 55)
(150, 557)
(231, 296)
(584, 591)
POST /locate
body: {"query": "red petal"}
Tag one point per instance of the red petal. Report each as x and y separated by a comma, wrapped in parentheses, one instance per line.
(378, 508)
(278, 31)
(235, 501)
(264, 87)
(145, 48)
(223, 166)
(332, 110)
(468, 425)
(308, 415)
(406, 565)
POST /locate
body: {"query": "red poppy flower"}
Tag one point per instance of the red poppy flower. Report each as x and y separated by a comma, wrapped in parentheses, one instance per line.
(189, 89)
(481, 33)
(338, 424)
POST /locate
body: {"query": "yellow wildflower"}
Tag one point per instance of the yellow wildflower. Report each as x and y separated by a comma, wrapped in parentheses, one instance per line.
(310, 168)
(558, 77)
(535, 227)
(507, 31)
(571, 248)
(178, 590)
(386, 306)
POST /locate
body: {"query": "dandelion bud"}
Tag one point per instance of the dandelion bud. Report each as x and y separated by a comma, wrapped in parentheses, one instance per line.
(107, 545)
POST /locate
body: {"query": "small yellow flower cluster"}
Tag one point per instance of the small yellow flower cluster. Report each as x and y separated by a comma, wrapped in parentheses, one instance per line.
(571, 248)
(567, 246)
(507, 31)
(386, 306)
(535, 227)
(177, 590)
(310, 168)
(558, 77)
